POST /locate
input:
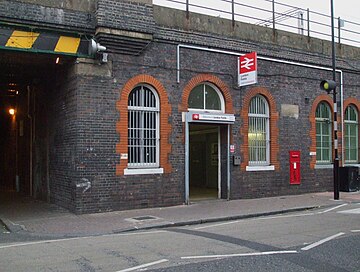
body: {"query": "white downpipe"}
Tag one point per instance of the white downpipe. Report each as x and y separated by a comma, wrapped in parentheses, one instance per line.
(187, 164)
(179, 46)
(228, 163)
(342, 118)
(219, 161)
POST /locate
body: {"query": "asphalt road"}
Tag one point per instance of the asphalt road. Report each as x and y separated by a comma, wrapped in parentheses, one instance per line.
(317, 240)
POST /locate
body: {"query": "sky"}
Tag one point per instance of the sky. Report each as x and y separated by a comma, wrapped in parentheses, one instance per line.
(349, 10)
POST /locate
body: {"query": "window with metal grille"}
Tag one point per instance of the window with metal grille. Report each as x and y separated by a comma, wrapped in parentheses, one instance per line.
(323, 133)
(143, 128)
(351, 135)
(259, 133)
(206, 97)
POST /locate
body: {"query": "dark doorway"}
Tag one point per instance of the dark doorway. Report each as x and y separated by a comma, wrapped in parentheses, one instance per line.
(204, 162)
(27, 83)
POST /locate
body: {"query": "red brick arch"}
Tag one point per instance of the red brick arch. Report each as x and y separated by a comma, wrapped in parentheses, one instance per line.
(203, 78)
(352, 101)
(312, 132)
(274, 129)
(356, 103)
(122, 124)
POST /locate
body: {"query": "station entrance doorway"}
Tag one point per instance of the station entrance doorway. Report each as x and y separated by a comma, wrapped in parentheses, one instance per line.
(204, 160)
(207, 155)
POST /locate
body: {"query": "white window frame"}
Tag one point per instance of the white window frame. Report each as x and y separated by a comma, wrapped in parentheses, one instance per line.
(135, 168)
(328, 121)
(222, 101)
(265, 120)
(349, 123)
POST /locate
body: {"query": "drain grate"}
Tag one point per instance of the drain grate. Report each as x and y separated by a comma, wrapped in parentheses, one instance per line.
(143, 218)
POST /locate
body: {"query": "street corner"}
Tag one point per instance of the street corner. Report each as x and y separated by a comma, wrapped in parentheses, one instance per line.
(4, 228)
(7, 226)
(352, 197)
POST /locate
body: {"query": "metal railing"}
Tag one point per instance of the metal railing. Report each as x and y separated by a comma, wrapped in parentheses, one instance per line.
(275, 14)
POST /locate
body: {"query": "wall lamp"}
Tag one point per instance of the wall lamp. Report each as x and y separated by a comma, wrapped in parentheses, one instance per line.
(12, 111)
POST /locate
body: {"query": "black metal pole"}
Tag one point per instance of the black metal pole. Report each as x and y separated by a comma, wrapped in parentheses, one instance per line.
(339, 30)
(187, 9)
(233, 12)
(273, 12)
(308, 22)
(336, 154)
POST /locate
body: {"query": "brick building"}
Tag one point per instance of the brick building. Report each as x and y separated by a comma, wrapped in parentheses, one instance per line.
(162, 121)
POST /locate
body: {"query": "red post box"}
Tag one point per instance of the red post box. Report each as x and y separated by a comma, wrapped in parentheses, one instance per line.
(294, 159)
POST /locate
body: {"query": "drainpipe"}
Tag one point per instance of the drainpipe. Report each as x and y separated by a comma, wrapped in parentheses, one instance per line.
(31, 144)
(179, 46)
(187, 179)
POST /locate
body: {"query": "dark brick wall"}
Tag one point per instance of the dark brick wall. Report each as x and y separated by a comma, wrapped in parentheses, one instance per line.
(7, 145)
(44, 16)
(80, 5)
(63, 138)
(41, 146)
(125, 15)
(294, 133)
(96, 158)
(97, 97)
(288, 84)
(97, 136)
(23, 144)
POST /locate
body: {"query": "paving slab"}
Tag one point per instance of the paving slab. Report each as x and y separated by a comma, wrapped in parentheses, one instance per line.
(26, 215)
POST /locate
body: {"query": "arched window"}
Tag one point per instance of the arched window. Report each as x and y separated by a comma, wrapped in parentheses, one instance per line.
(143, 127)
(206, 97)
(351, 135)
(323, 133)
(259, 132)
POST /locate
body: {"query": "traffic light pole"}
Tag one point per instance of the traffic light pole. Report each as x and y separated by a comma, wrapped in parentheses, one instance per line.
(336, 153)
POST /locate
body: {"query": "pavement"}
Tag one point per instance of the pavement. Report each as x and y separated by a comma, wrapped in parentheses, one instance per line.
(28, 216)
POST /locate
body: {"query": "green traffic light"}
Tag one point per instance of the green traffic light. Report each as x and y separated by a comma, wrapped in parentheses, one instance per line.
(326, 85)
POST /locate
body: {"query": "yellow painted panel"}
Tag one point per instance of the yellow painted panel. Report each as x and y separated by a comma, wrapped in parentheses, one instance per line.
(67, 44)
(22, 39)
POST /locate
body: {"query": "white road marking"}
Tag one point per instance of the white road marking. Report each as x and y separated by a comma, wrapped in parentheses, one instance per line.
(253, 219)
(355, 230)
(333, 208)
(353, 211)
(283, 216)
(79, 238)
(322, 241)
(241, 254)
(216, 225)
(143, 265)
